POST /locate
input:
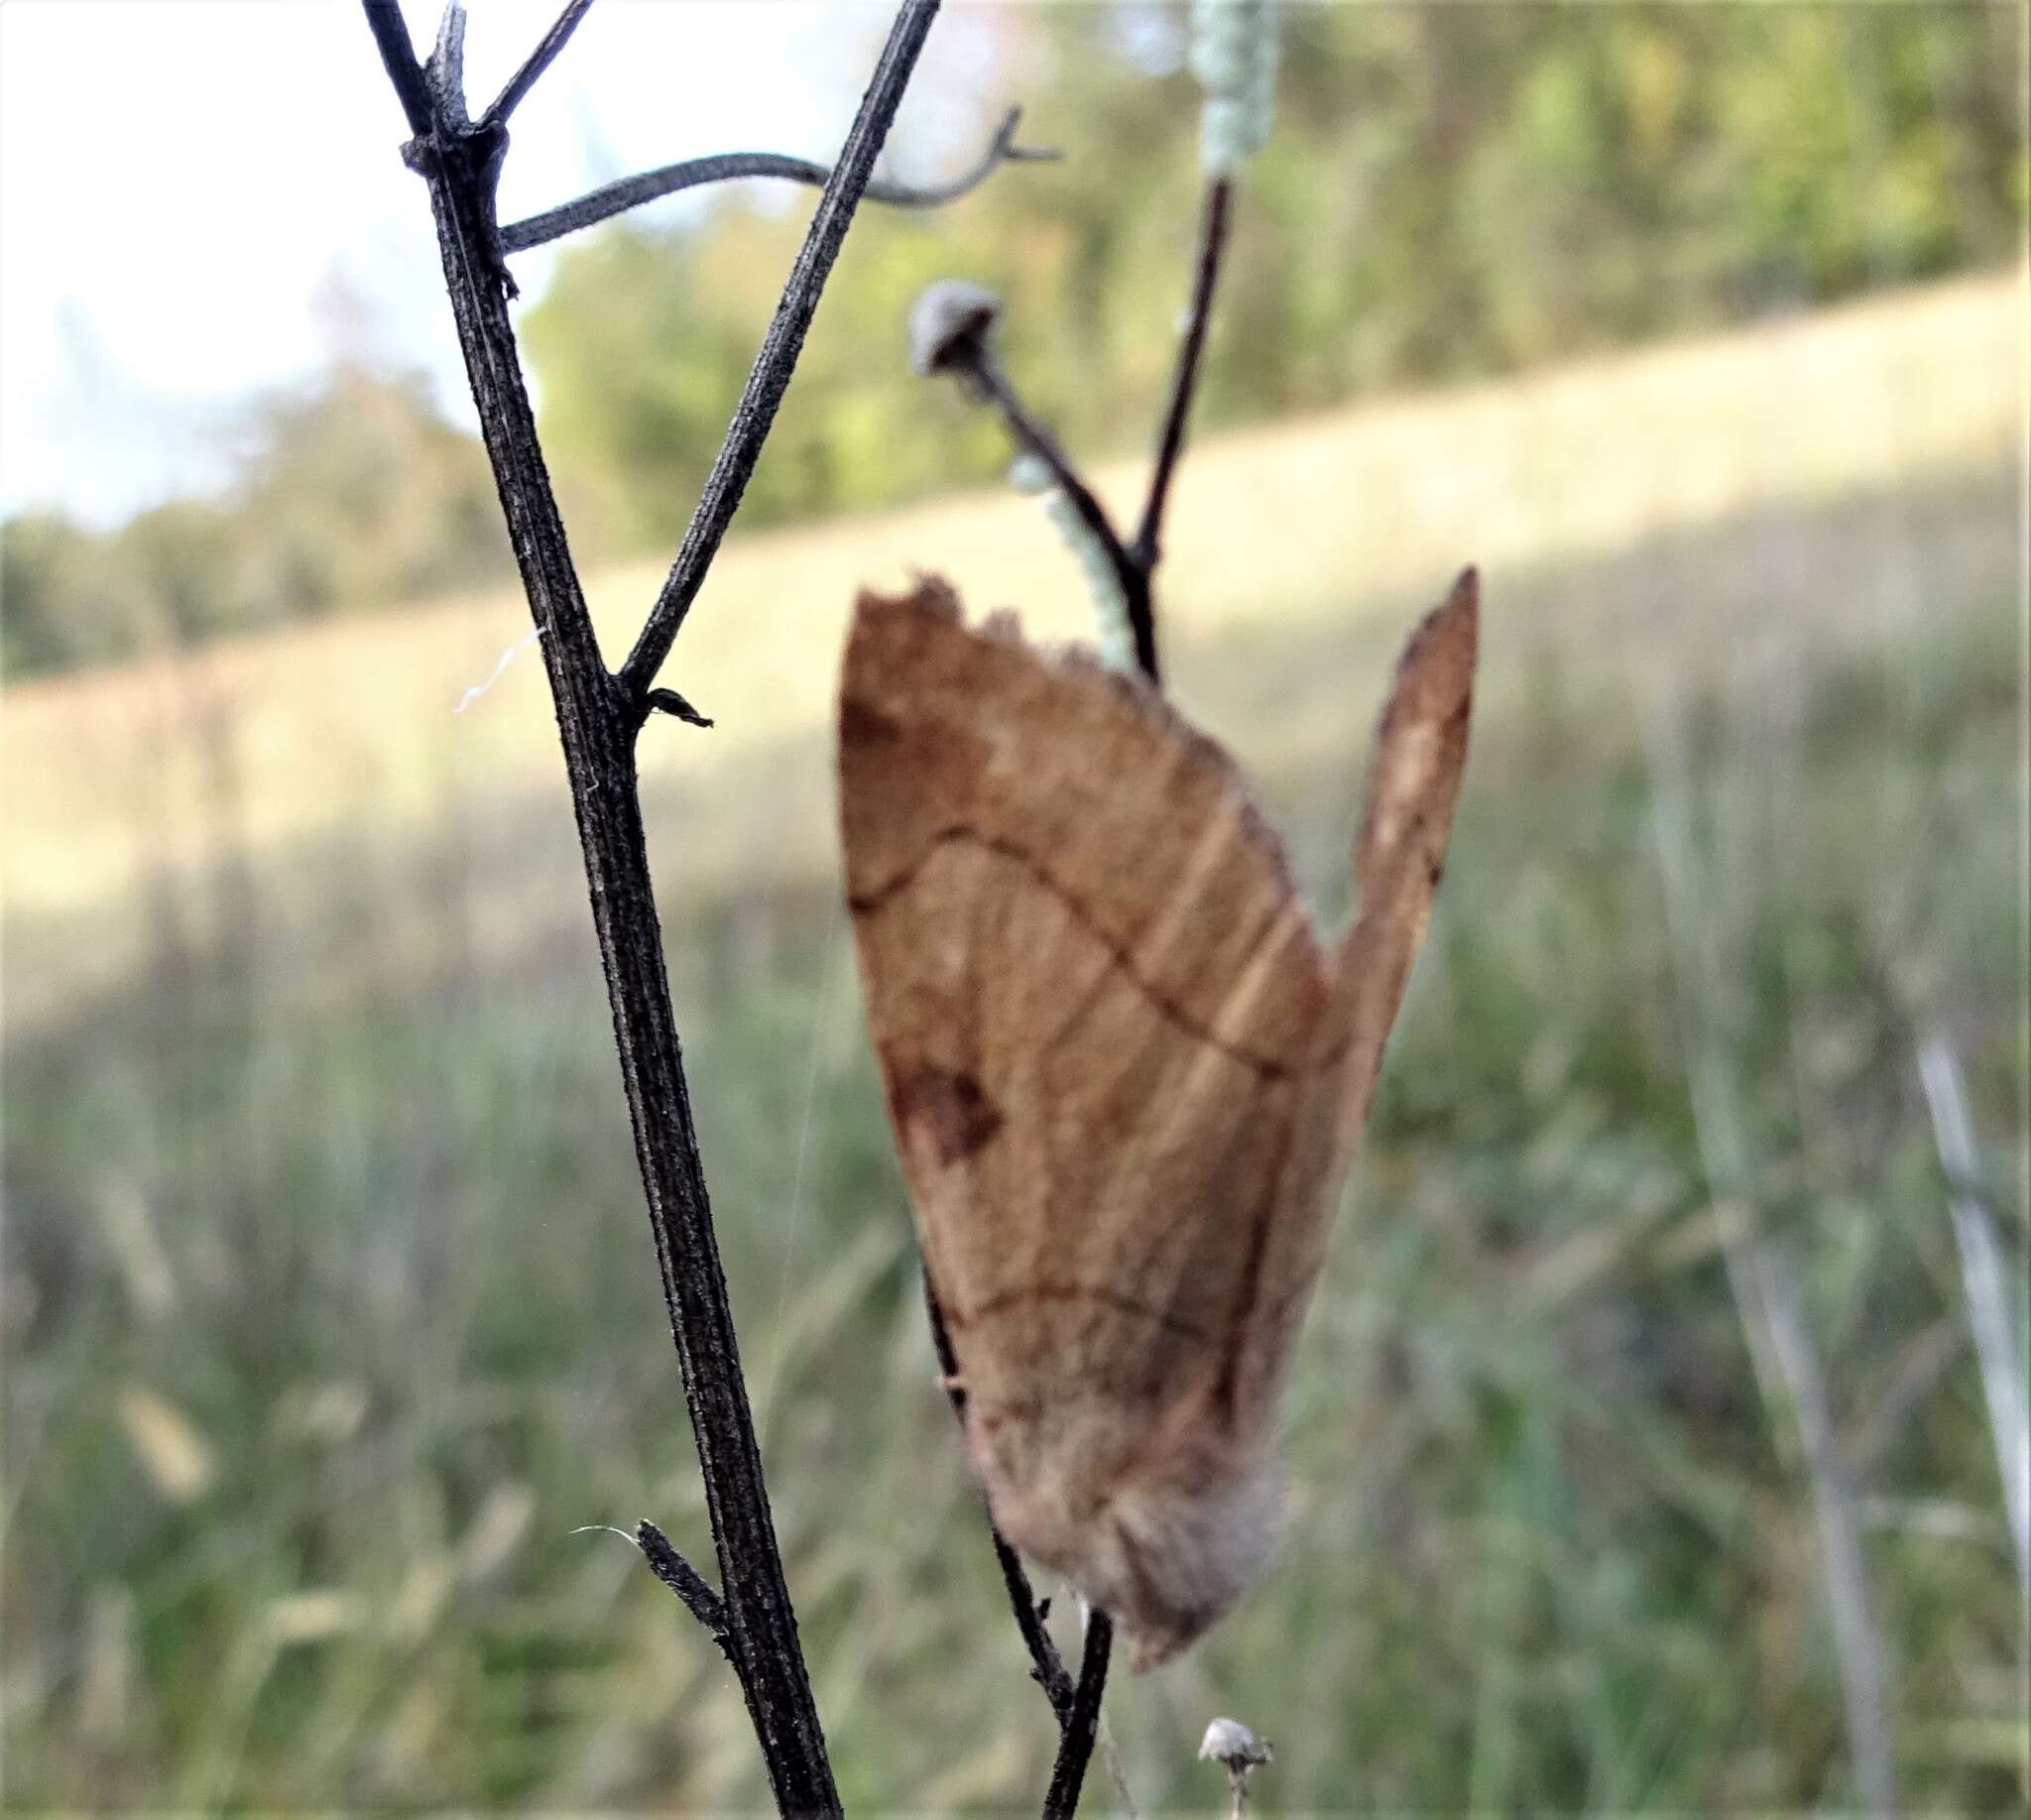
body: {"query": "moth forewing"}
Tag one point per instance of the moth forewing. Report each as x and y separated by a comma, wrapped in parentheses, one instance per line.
(1413, 788)
(1117, 1066)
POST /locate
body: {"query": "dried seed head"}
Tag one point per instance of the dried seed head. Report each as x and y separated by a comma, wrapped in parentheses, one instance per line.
(951, 325)
(1230, 1742)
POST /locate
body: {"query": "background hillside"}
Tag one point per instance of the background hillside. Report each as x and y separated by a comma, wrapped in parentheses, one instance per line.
(1642, 1449)
(1453, 190)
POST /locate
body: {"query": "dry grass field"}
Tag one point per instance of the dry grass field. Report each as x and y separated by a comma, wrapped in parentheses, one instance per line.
(1641, 1452)
(1322, 525)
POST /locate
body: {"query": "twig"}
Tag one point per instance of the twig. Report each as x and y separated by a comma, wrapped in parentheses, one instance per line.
(689, 174)
(1075, 1742)
(1076, 1704)
(399, 58)
(598, 721)
(1213, 223)
(1034, 439)
(1048, 1670)
(686, 1581)
(967, 351)
(755, 413)
(541, 58)
(952, 332)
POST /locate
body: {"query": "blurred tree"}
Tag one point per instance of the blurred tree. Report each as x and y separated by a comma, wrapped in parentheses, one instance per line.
(361, 495)
(1452, 190)
(356, 494)
(51, 589)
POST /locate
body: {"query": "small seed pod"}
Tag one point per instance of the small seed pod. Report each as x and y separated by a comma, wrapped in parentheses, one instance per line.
(951, 326)
(1232, 1745)
(1230, 1742)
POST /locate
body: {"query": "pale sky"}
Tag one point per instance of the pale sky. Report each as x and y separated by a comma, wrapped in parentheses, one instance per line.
(180, 179)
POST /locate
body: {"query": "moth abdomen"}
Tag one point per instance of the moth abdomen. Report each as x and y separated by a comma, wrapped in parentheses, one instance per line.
(1164, 1531)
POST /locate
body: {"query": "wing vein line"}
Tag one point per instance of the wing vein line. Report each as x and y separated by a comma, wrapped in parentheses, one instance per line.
(878, 898)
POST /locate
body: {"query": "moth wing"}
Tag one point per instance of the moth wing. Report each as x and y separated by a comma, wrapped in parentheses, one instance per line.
(1096, 1003)
(1413, 786)
(1420, 758)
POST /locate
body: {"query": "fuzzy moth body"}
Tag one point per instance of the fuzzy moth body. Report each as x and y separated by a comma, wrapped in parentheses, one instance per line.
(1125, 1078)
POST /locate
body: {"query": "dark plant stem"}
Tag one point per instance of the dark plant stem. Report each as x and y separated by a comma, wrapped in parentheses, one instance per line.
(1049, 1667)
(1076, 1704)
(1134, 564)
(755, 411)
(1075, 1742)
(536, 63)
(399, 58)
(598, 718)
(686, 1581)
(1028, 435)
(597, 726)
(1213, 223)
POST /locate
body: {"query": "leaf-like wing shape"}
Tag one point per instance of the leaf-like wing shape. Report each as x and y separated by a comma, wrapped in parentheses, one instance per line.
(1096, 1002)
(1124, 1079)
(1420, 755)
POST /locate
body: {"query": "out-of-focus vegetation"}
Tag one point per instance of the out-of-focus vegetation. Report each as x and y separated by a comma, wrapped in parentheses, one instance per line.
(1452, 190)
(356, 494)
(1639, 1426)
(330, 1312)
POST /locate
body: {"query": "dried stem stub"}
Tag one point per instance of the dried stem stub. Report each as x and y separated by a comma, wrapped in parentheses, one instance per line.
(951, 332)
(1231, 1744)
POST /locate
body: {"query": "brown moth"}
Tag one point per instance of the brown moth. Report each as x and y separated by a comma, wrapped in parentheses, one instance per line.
(1125, 1076)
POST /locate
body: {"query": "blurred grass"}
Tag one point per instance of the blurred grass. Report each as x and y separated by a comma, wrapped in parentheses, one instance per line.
(329, 1313)
(171, 768)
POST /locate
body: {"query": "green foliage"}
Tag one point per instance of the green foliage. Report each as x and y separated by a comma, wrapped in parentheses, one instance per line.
(53, 610)
(356, 496)
(1452, 190)
(362, 497)
(352, 1196)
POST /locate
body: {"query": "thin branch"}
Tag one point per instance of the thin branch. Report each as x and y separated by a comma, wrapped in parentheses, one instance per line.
(1075, 1743)
(778, 359)
(690, 174)
(1135, 564)
(1213, 225)
(399, 58)
(1030, 435)
(445, 69)
(1048, 1671)
(1034, 439)
(1049, 1668)
(541, 58)
(598, 724)
(686, 1582)
(668, 701)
